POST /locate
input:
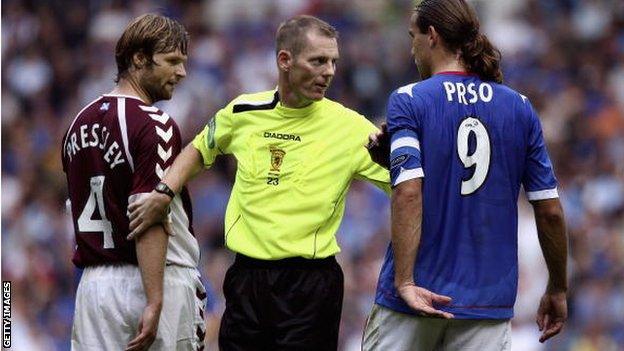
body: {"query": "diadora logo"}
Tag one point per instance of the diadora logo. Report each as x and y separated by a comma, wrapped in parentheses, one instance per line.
(282, 136)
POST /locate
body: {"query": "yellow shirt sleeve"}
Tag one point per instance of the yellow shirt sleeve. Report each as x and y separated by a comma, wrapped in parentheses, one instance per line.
(366, 169)
(215, 138)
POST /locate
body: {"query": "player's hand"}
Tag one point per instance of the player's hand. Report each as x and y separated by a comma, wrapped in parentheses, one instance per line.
(423, 300)
(379, 146)
(148, 327)
(551, 314)
(148, 211)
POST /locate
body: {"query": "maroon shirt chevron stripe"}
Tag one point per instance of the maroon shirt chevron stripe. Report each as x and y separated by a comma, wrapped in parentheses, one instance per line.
(116, 147)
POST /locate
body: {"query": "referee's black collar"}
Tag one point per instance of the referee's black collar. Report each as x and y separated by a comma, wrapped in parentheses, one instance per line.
(253, 107)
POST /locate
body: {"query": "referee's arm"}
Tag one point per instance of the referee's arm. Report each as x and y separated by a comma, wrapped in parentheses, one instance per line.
(185, 167)
(151, 210)
(372, 172)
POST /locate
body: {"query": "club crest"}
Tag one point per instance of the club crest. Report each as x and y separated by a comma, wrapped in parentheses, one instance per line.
(277, 156)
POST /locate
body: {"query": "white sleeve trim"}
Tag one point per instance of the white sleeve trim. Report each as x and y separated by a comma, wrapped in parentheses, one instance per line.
(405, 142)
(407, 174)
(542, 194)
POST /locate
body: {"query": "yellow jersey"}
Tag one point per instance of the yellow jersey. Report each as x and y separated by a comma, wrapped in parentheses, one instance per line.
(294, 167)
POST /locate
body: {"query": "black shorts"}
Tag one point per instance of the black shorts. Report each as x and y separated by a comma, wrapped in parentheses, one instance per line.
(289, 304)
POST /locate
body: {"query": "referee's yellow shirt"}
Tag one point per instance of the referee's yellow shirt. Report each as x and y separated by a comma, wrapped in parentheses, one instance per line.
(294, 169)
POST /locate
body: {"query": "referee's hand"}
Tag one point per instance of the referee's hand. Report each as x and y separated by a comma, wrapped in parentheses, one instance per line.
(148, 211)
(379, 146)
(423, 301)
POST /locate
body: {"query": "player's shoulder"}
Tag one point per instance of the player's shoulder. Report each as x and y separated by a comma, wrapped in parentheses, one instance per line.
(136, 106)
(514, 99)
(405, 95)
(409, 90)
(139, 114)
(507, 92)
(253, 101)
(93, 108)
(88, 112)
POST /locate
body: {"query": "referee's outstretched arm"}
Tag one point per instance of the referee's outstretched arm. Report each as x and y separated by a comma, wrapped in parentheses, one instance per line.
(151, 210)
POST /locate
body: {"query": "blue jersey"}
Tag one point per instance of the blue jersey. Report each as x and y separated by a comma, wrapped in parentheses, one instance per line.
(474, 143)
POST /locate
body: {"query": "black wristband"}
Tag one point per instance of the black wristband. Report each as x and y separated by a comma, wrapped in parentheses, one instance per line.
(164, 189)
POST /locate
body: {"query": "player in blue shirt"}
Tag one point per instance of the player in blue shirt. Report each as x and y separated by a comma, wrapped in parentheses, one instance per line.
(461, 145)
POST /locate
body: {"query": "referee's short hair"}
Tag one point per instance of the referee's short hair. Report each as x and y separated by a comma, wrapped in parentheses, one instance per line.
(291, 34)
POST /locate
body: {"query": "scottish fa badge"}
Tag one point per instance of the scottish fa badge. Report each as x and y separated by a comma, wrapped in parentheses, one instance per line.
(277, 156)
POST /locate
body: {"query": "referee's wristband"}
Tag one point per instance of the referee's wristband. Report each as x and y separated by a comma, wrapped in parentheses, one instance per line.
(164, 189)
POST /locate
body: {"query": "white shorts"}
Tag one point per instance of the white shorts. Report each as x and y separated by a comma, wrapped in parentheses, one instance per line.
(110, 302)
(387, 330)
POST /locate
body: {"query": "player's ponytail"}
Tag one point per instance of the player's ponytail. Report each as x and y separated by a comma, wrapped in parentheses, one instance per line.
(482, 58)
(458, 25)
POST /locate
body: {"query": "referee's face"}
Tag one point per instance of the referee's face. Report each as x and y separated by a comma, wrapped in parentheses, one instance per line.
(312, 70)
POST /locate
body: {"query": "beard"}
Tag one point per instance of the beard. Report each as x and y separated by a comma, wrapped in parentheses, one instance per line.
(424, 70)
(153, 87)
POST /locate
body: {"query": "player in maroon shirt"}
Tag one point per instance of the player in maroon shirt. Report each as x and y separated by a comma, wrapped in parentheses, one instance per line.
(116, 150)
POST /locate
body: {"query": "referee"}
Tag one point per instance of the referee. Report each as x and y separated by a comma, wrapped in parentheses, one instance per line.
(297, 154)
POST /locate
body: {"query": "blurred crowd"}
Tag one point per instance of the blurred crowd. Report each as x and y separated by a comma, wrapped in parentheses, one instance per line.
(567, 56)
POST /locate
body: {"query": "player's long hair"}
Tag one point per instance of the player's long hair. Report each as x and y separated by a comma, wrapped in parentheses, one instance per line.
(458, 25)
(149, 34)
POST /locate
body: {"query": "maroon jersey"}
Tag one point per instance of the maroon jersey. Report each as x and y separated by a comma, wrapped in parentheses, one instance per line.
(116, 147)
